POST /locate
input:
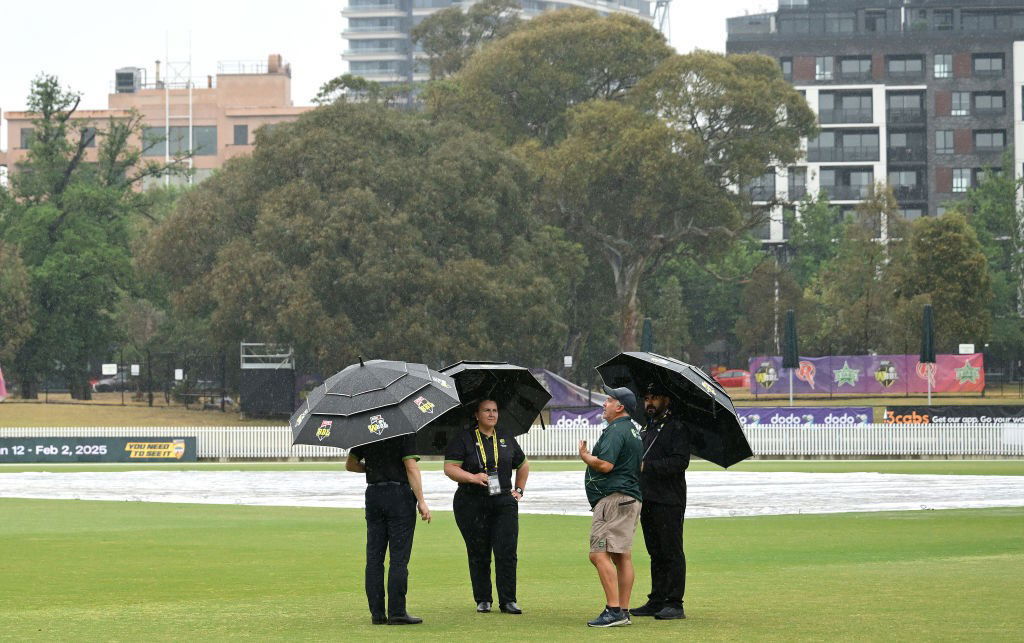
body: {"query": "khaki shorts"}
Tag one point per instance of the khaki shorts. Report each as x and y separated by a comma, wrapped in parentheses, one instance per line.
(615, 519)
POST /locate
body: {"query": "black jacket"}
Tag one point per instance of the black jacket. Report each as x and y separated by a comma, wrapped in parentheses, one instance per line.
(667, 454)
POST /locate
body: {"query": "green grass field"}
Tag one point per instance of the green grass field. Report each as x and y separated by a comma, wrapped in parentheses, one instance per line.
(75, 570)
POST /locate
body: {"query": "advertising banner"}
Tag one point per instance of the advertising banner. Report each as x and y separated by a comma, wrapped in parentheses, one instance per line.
(870, 374)
(30, 450)
(964, 414)
(579, 419)
(751, 416)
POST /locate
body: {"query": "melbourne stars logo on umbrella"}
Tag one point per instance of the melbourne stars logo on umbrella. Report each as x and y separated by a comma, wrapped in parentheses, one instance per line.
(302, 417)
(967, 373)
(847, 375)
(424, 405)
(377, 425)
(707, 388)
(325, 430)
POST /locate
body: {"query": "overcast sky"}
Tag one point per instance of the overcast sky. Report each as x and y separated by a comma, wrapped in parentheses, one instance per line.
(82, 44)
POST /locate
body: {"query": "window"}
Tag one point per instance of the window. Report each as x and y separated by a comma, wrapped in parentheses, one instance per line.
(797, 24)
(762, 188)
(797, 182)
(787, 68)
(823, 68)
(839, 22)
(89, 135)
(905, 66)
(988, 64)
(903, 178)
(204, 140)
(910, 213)
(943, 66)
(989, 102)
(990, 139)
(241, 135)
(27, 135)
(874, 21)
(961, 179)
(904, 101)
(944, 141)
(897, 139)
(977, 21)
(855, 67)
(942, 20)
(961, 104)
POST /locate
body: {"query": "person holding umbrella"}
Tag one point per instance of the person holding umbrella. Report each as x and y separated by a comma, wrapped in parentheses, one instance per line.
(666, 440)
(613, 489)
(394, 491)
(481, 459)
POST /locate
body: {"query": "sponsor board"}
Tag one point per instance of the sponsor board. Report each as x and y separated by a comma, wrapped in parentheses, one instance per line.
(752, 416)
(577, 419)
(870, 374)
(964, 414)
(47, 449)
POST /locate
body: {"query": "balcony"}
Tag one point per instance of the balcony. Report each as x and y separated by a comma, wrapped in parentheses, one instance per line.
(856, 77)
(761, 192)
(989, 112)
(906, 154)
(847, 192)
(797, 192)
(831, 116)
(987, 73)
(904, 115)
(906, 76)
(909, 192)
(839, 154)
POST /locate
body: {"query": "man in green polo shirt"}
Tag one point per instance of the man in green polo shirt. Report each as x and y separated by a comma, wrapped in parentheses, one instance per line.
(613, 489)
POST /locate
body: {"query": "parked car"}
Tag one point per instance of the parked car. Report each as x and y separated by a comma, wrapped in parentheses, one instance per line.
(119, 382)
(735, 378)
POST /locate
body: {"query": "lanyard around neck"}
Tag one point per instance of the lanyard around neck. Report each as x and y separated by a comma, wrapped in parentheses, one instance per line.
(483, 454)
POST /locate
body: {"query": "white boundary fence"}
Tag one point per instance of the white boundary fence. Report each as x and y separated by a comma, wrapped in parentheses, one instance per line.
(1005, 440)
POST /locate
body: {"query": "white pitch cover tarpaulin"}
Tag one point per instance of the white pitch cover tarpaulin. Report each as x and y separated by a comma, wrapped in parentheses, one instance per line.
(710, 493)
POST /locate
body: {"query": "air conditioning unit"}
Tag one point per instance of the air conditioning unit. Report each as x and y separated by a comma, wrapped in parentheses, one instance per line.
(128, 80)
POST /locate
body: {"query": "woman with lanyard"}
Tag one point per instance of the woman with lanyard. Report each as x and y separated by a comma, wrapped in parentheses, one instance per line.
(481, 460)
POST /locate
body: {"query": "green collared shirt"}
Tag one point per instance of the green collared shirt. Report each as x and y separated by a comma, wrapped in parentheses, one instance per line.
(619, 444)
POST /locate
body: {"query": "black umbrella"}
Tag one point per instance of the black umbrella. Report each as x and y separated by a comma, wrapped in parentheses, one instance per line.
(520, 397)
(715, 431)
(372, 401)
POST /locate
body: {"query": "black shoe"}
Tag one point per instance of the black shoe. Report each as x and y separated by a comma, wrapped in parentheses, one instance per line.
(379, 620)
(404, 619)
(511, 608)
(608, 618)
(647, 609)
(483, 607)
(670, 612)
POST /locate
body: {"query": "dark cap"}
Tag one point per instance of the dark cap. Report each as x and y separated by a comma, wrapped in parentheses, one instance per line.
(655, 388)
(624, 396)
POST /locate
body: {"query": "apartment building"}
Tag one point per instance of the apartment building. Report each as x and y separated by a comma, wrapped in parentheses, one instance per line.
(216, 118)
(379, 47)
(923, 94)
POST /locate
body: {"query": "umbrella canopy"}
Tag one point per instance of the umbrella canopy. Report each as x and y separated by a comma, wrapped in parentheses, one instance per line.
(520, 397)
(372, 401)
(715, 431)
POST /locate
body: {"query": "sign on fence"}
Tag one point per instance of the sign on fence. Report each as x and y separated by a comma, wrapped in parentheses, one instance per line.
(966, 414)
(589, 418)
(870, 374)
(94, 449)
(751, 416)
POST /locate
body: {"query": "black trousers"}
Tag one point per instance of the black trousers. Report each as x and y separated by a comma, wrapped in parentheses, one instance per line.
(489, 524)
(390, 525)
(663, 534)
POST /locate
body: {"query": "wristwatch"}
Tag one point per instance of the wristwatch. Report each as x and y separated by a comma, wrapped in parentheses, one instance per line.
(519, 490)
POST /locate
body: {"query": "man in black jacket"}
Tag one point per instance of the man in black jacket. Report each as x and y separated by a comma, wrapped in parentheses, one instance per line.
(666, 441)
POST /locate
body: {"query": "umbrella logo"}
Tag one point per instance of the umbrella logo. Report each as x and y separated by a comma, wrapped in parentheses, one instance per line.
(302, 416)
(423, 404)
(377, 425)
(325, 430)
(707, 387)
(441, 382)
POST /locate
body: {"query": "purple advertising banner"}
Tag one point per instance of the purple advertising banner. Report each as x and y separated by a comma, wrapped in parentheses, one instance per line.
(581, 419)
(752, 416)
(869, 374)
